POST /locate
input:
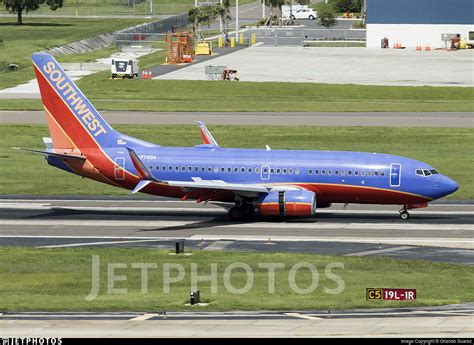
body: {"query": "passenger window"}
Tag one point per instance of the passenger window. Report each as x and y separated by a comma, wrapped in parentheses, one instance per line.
(349, 172)
(236, 169)
(382, 173)
(369, 173)
(297, 171)
(229, 170)
(242, 170)
(170, 168)
(376, 173)
(336, 172)
(290, 171)
(203, 169)
(183, 168)
(323, 172)
(157, 168)
(316, 172)
(249, 170)
(362, 173)
(163, 168)
(257, 170)
(216, 169)
(284, 171)
(176, 168)
(343, 172)
(278, 171)
(356, 172)
(272, 171)
(209, 169)
(196, 169)
(222, 169)
(190, 169)
(150, 167)
(329, 172)
(310, 172)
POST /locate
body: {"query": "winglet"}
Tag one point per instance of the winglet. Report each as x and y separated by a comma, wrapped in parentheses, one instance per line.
(142, 170)
(206, 135)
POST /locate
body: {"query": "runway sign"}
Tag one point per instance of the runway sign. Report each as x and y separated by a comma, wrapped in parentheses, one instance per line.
(390, 294)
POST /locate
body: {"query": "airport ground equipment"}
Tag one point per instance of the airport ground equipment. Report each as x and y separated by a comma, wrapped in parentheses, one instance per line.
(203, 48)
(124, 68)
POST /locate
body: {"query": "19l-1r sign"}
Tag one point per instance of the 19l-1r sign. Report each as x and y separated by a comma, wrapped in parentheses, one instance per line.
(390, 294)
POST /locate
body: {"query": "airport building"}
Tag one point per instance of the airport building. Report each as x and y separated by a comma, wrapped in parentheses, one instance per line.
(419, 22)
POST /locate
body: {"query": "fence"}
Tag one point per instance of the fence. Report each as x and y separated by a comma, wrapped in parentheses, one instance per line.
(298, 35)
(149, 33)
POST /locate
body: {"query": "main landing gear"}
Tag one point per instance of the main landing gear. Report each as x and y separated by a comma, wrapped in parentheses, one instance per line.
(241, 212)
(404, 215)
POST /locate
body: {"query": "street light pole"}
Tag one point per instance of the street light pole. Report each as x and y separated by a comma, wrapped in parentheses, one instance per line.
(236, 20)
(263, 8)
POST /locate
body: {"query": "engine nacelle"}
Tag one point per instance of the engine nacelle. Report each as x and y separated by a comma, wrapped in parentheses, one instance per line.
(294, 203)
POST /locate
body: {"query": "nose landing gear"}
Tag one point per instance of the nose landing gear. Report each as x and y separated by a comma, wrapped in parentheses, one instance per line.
(404, 215)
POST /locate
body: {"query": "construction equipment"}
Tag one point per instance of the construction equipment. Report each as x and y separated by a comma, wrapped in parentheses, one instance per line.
(180, 46)
(203, 48)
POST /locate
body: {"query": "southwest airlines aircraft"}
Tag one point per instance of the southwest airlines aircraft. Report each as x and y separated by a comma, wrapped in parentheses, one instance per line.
(270, 182)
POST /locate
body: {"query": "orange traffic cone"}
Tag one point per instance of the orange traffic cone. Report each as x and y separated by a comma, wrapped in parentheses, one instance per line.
(427, 48)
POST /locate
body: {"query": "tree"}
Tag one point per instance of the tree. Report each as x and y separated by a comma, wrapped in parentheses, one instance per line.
(326, 17)
(18, 6)
(223, 12)
(276, 4)
(348, 5)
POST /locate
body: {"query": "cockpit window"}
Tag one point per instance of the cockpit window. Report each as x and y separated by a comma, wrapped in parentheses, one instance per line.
(419, 172)
(426, 172)
(434, 172)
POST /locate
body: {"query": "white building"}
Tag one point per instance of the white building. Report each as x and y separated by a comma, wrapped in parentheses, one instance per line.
(419, 22)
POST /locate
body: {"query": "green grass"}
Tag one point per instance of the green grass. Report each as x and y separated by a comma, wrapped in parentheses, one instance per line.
(89, 56)
(32, 279)
(118, 7)
(19, 42)
(186, 95)
(447, 149)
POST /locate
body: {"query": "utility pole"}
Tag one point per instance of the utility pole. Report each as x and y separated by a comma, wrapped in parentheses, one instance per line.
(151, 8)
(263, 8)
(236, 20)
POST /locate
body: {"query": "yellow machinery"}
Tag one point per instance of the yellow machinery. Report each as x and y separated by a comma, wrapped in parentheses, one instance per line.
(203, 48)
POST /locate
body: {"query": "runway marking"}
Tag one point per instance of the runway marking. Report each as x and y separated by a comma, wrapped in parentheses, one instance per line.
(85, 244)
(448, 313)
(159, 224)
(378, 251)
(303, 316)
(218, 245)
(144, 317)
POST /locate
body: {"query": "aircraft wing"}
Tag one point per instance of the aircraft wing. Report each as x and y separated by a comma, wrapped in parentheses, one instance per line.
(206, 135)
(146, 177)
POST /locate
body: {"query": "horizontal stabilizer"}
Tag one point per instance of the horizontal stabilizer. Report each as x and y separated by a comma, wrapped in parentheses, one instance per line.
(140, 185)
(54, 154)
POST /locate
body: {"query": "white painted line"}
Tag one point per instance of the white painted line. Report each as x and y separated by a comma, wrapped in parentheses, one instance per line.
(448, 312)
(378, 251)
(303, 316)
(143, 317)
(266, 225)
(218, 245)
(85, 244)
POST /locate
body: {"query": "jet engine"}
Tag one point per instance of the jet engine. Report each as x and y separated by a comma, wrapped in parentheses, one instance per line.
(296, 203)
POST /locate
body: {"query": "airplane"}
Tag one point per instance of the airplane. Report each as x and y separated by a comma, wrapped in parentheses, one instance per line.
(281, 183)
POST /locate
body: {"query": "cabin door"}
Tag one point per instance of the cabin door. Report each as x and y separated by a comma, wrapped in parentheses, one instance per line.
(395, 174)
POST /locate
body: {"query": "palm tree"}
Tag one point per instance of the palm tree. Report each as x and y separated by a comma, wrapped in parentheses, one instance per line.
(276, 4)
(223, 12)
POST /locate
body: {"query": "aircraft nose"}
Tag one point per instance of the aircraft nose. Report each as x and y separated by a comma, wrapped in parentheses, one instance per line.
(449, 186)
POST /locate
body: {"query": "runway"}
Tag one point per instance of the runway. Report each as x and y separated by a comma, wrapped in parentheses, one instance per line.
(392, 119)
(442, 232)
(447, 321)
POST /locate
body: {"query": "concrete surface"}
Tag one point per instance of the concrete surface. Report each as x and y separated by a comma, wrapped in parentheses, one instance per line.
(441, 119)
(364, 66)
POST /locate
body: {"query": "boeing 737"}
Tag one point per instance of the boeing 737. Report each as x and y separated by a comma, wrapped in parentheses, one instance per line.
(264, 181)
